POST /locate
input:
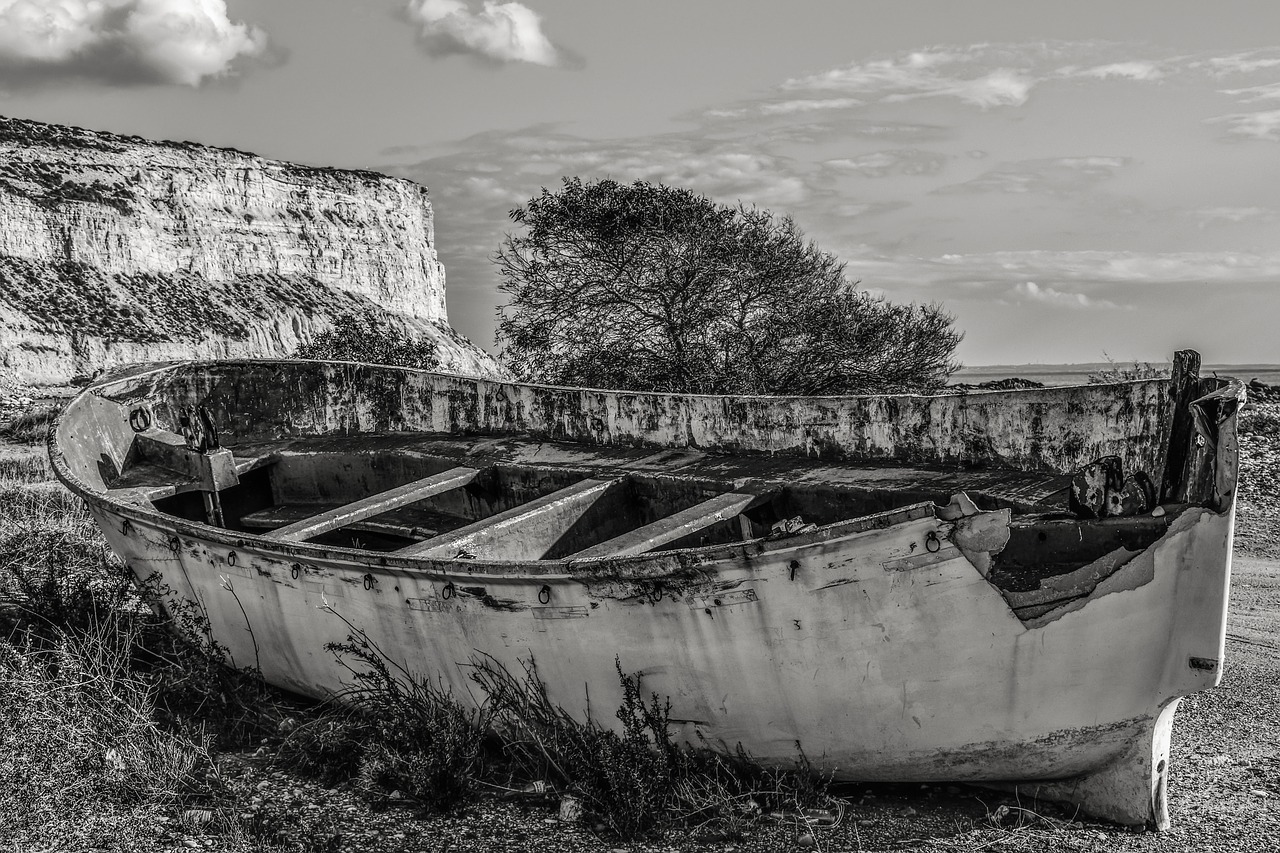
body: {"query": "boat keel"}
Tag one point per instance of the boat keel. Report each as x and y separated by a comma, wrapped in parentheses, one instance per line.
(1132, 790)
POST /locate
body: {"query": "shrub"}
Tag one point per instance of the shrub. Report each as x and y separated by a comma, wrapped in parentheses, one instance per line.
(56, 571)
(77, 729)
(361, 337)
(329, 744)
(1117, 372)
(636, 780)
(622, 779)
(198, 686)
(393, 731)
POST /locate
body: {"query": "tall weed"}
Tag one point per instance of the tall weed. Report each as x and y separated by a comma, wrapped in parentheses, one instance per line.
(634, 779)
(198, 687)
(394, 731)
(1120, 372)
(31, 426)
(77, 730)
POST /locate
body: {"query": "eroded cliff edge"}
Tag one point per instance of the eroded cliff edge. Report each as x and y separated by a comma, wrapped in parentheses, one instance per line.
(116, 249)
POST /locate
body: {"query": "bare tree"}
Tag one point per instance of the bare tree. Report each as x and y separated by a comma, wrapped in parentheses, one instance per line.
(648, 287)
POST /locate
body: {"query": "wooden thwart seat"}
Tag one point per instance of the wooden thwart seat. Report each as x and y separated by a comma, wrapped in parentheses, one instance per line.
(357, 511)
(673, 527)
(527, 528)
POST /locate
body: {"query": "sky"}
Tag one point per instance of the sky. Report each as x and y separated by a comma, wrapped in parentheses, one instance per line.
(1073, 181)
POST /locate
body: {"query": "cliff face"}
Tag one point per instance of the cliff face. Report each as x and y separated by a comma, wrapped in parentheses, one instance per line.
(117, 249)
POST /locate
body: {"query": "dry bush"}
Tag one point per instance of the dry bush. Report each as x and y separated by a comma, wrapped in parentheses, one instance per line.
(637, 780)
(108, 712)
(30, 426)
(370, 339)
(1118, 372)
(393, 730)
(78, 732)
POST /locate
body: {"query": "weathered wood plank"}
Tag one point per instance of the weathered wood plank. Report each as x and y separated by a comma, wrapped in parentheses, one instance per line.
(404, 522)
(1184, 386)
(674, 526)
(372, 505)
(537, 522)
(245, 464)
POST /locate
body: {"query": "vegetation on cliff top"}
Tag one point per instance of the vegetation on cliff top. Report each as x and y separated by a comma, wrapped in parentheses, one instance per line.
(78, 299)
(25, 132)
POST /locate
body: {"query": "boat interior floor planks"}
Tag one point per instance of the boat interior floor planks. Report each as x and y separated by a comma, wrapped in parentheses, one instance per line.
(437, 497)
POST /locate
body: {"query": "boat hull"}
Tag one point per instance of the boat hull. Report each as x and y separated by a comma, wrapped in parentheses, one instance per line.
(881, 659)
(881, 645)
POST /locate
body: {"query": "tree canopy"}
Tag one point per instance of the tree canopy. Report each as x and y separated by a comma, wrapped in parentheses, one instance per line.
(647, 287)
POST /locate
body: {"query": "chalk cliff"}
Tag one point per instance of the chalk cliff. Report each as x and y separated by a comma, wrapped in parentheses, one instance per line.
(116, 249)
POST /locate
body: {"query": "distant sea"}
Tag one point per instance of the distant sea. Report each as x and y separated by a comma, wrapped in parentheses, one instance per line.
(1078, 374)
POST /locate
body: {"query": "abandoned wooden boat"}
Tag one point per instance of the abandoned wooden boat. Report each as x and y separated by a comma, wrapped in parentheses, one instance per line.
(1009, 586)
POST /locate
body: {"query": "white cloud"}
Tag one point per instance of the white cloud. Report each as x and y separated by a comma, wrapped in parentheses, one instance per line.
(1264, 92)
(878, 164)
(1264, 125)
(180, 42)
(1130, 70)
(1211, 215)
(1240, 63)
(499, 32)
(1059, 176)
(928, 73)
(1061, 298)
(806, 105)
(1002, 87)
(1091, 163)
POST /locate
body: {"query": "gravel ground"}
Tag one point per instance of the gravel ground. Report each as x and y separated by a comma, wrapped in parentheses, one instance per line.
(1224, 791)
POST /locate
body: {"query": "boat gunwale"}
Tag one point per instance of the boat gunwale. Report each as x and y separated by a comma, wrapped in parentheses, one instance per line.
(151, 368)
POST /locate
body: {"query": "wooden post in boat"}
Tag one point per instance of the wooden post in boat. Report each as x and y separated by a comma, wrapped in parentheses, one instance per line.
(1184, 386)
(212, 471)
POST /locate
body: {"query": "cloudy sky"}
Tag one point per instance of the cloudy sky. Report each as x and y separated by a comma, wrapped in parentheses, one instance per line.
(1068, 178)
